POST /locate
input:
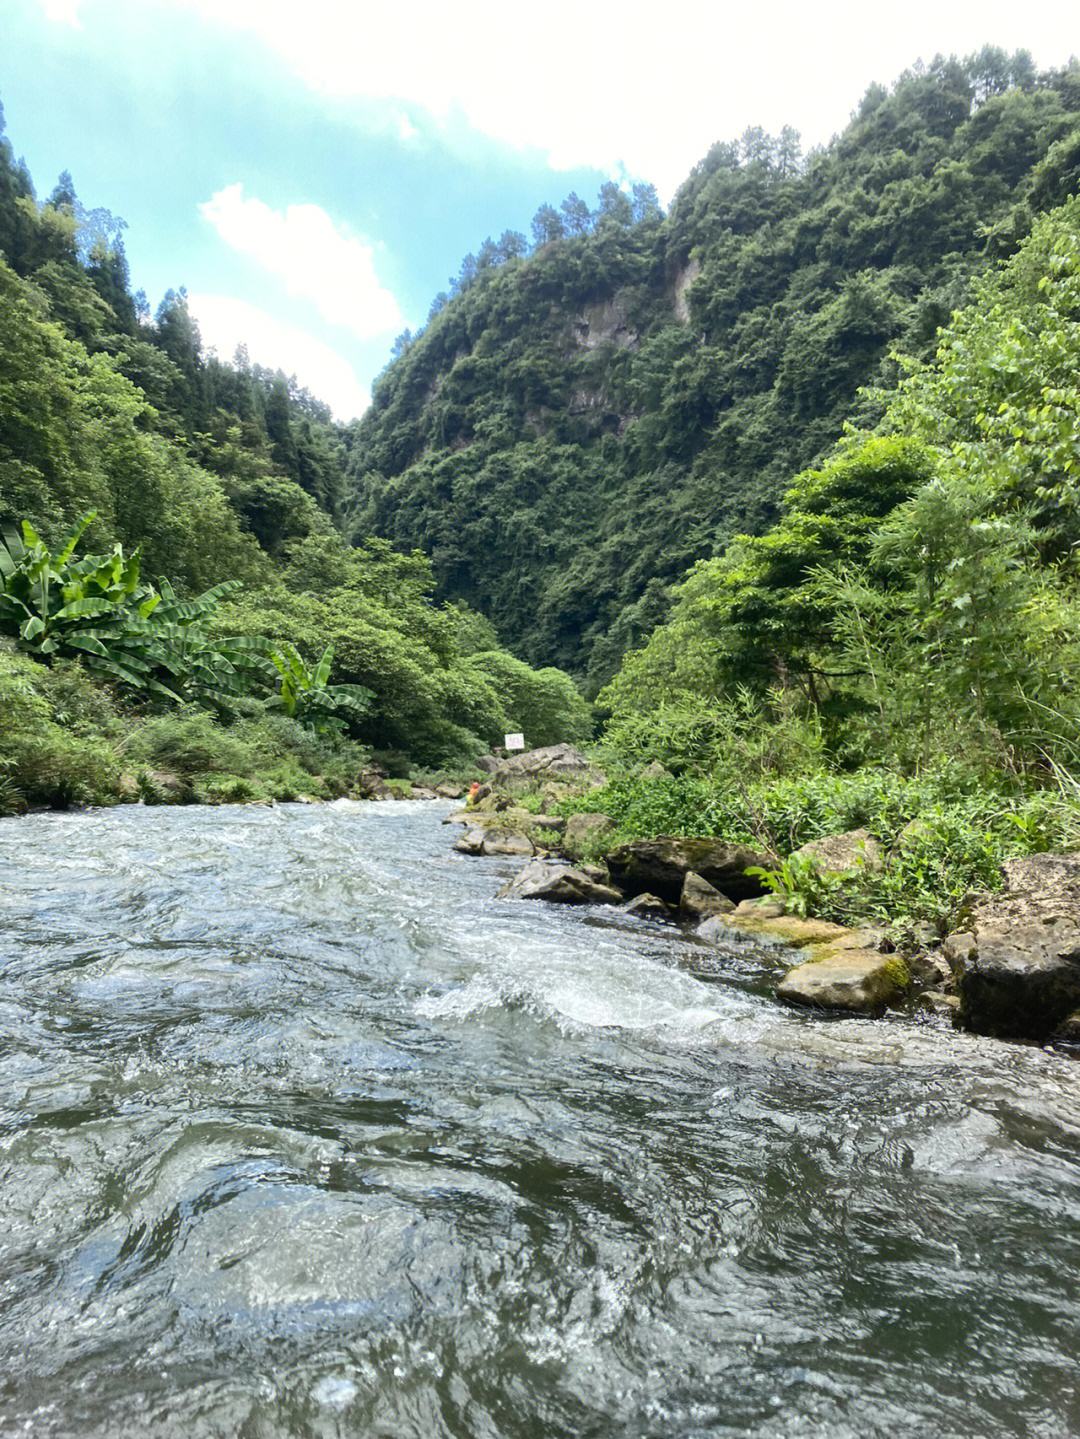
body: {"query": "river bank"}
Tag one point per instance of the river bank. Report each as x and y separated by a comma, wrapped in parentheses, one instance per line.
(997, 960)
(1003, 963)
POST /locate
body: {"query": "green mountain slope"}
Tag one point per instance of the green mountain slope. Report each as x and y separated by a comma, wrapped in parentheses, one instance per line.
(574, 428)
(204, 472)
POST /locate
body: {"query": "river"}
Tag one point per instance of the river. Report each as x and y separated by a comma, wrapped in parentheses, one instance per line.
(304, 1132)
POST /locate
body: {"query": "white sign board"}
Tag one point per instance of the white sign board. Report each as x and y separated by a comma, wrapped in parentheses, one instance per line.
(514, 741)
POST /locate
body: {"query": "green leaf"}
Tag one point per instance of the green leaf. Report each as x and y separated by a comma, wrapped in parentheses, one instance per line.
(322, 673)
(83, 609)
(71, 544)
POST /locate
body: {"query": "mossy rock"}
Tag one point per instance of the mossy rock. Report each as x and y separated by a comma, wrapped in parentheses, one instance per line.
(789, 929)
(861, 981)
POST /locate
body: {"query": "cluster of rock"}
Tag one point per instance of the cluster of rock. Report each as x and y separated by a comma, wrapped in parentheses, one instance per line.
(552, 771)
(1012, 971)
(373, 784)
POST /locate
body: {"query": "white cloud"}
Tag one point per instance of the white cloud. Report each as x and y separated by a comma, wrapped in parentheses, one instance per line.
(607, 83)
(226, 322)
(63, 12)
(317, 259)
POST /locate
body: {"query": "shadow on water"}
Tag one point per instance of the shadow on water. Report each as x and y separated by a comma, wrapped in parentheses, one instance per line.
(303, 1132)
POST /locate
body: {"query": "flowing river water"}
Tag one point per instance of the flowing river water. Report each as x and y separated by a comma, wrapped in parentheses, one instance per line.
(304, 1132)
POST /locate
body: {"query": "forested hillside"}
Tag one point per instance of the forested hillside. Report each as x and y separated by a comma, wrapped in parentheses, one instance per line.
(580, 420)
(209, 616)
(899, 652)
(576, 425)
(249, 427)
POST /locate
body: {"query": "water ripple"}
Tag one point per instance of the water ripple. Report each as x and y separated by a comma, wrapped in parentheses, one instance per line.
(303, 1132)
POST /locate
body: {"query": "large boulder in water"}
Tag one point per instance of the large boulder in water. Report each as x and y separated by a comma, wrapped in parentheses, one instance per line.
(559, 884)
(1019, 954)
(860, 980)
(562, 763)
(660, 866)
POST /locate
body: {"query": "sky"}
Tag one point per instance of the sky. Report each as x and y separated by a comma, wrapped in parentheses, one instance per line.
(313, 171)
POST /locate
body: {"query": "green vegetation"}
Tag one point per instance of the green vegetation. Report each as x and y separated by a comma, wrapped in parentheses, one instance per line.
(574, 428)
(791, 476)
(96, 609)
(305, 693)
(127, 453)
(900, 651)
(67, 739)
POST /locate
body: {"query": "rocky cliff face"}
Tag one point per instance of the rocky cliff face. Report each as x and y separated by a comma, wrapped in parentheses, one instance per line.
(683, 280)
(576, 428)
(605, 322)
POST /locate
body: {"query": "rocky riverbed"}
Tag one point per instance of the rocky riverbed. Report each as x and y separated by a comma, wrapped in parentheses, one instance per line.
(1011, 970)
(306, 1133)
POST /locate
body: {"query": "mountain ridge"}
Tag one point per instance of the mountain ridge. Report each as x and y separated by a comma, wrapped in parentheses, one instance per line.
(574, 429)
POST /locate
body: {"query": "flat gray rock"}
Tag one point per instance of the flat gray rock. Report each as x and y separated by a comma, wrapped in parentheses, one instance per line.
(558, 884)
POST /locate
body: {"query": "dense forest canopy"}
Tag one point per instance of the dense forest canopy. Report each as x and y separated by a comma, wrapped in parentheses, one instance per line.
(898, 652)
(193, 473)
(576, 425)
(787, 476)
(917, 594)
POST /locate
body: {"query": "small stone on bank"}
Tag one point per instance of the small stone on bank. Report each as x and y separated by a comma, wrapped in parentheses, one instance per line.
(507, 844)
(647, 906)
(933, 1002)
(841, 853)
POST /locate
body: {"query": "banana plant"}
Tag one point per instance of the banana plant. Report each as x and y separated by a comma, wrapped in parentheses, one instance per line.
(304, 691)
(204, 669)
(100, 610)
(54, 605)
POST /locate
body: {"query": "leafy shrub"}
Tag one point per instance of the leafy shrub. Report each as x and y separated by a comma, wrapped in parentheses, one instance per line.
(804, 887)
(191, 742)
(544, 705)
(961, 835)
(230, 789)
(43, 759)
(79, 702)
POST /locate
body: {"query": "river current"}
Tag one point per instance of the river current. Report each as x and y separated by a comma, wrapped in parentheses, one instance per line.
(305, 1133)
